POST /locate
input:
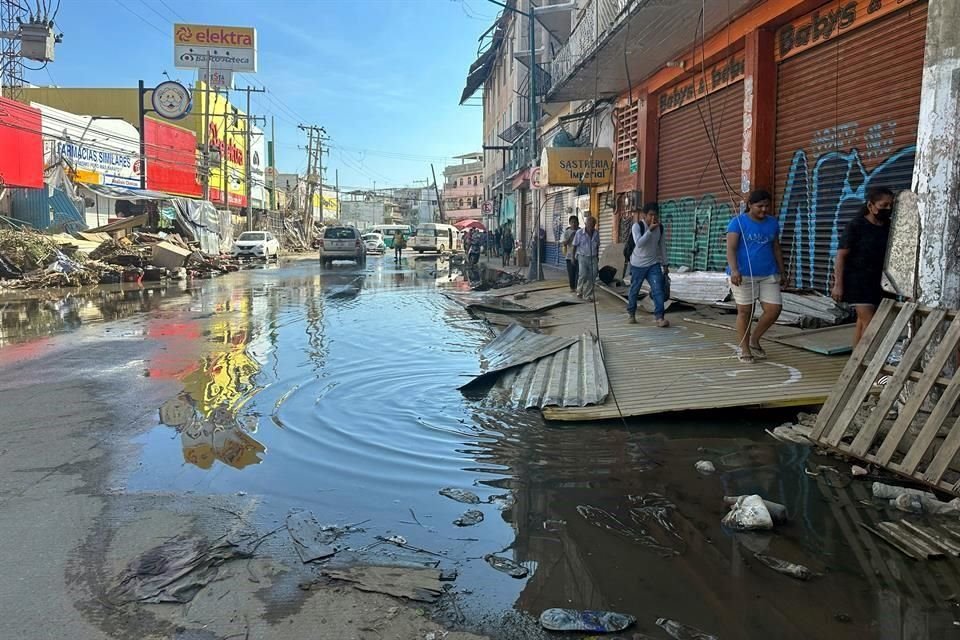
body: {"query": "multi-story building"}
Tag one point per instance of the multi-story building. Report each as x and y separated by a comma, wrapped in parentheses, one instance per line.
(463, 189)
(714, 99)
(511, 154)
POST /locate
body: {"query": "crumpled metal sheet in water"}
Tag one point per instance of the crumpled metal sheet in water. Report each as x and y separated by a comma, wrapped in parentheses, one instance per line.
(174, 571)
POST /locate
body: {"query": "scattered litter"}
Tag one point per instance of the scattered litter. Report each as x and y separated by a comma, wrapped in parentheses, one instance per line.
(401, 542)
(858, 471)
(575, 620)
(502, 502)
(311, 540)
(748, 513)
(680, 631)
(778, 512)
(554, 525)
(790, 433)
(466, 497)
(797, 571)
(705, 467)
(469, 518)
(506, 565)
(174, 571)
(636, 529)
(888, 491)
(904, 540)
(418, 584)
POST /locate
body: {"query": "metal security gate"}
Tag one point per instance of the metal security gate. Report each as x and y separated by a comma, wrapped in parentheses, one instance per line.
(698, 175)
(606, 214)
(558, 209)
(847, 113)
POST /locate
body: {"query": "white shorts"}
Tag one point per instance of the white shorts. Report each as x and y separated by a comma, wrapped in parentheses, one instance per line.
(766, 289)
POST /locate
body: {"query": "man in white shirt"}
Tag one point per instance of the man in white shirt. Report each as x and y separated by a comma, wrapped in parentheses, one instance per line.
(586, 243)
(648, 261)
(567, 245)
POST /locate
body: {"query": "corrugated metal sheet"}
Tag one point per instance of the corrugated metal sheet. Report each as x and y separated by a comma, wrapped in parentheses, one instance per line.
(65, 212)
(31, 206)
(697, 198)
(687, 367)
(514, 347)
(571, 377)
(847, 114)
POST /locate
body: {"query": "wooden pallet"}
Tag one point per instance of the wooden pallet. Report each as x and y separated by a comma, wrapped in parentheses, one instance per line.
(927, 459)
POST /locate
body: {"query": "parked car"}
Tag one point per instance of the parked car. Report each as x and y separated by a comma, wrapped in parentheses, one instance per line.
(256, 244)
(342, 243)
(374, 243)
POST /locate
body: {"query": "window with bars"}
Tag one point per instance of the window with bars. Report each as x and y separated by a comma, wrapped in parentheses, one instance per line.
(627, 123)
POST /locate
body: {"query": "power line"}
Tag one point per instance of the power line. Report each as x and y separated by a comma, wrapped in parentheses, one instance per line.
(141, 18)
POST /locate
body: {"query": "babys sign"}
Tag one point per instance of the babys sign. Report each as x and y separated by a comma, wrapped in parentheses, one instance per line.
(575, 166)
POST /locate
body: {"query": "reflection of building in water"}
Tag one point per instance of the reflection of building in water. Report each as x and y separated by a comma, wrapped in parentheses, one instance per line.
(39, 313)
(218, 436)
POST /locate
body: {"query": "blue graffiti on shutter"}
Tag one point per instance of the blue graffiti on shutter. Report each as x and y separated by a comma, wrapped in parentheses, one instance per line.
(830, 194)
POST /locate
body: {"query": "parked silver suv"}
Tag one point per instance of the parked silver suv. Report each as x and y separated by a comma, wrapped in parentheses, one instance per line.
(342, 243)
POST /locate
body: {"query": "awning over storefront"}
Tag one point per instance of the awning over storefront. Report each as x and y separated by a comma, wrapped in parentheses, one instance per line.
(127, 193)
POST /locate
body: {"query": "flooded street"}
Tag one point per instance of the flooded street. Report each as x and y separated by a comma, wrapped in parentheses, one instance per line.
(292, 388)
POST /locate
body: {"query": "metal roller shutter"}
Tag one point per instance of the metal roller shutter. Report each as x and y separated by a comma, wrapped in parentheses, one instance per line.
(696, 198)
(556, 221)
(605, 219)
(847, 115)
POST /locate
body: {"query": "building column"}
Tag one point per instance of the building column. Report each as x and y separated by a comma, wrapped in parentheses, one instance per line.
(648, 136)
(936, 173)
(759, 112)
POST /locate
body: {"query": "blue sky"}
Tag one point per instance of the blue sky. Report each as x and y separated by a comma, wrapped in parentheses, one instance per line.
(382, 76)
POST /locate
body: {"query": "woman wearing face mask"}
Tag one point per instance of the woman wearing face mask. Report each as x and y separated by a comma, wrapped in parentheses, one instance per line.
(859, 266)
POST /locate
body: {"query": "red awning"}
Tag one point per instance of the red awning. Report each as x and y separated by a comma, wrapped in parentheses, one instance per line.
(470, 224)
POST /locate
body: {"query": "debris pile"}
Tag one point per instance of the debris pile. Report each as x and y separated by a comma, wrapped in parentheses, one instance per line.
(30, 259)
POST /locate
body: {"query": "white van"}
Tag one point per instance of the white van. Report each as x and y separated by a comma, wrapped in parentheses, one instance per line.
(437, 237)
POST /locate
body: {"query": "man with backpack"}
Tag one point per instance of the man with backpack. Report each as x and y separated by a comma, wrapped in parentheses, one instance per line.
(648, 261)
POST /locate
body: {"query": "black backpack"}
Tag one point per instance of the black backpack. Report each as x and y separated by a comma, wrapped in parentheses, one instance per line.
(630, 245)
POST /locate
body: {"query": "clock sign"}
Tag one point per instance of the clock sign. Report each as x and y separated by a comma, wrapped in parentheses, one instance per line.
(171, 100)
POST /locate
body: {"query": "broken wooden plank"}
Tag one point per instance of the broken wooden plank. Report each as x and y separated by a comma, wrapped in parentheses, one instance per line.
(869, 375)
(891, 391)
(915, 376)
(851, 370)
(945, 455)
(945, 351)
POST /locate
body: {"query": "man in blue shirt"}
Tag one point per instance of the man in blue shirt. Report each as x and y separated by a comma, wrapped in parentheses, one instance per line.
(755, 267)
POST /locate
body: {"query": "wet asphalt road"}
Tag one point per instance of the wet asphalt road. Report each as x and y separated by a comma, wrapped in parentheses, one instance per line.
(291, 387)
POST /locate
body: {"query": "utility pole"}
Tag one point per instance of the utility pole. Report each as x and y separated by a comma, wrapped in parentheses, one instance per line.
(206, 134)
(316, 138)
(436, 189)
(248, 129)
(936, 171)
(273, 165)
(337, 174)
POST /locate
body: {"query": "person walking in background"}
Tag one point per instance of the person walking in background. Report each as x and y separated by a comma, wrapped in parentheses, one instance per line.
(497, 240)
(399, 244)
(858, 271)
(566, 245)
(648, 261)
(755, 267)
(586, 242)
(506, 244)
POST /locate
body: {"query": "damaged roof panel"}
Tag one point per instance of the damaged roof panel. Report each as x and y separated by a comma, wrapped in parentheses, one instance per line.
(572, 377)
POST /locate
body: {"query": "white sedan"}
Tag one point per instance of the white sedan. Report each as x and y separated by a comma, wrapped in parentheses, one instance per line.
(256, 244)
(374, 243)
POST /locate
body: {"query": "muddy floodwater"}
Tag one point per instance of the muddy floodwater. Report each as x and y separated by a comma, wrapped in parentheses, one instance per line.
(335, 391)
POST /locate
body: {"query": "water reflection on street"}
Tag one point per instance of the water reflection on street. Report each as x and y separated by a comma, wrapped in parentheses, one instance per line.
(335, 391)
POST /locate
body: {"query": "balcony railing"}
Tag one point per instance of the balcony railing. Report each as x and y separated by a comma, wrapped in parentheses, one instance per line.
(595, 22)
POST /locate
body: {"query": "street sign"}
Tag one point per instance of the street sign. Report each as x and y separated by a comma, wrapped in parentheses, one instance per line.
(227, 48)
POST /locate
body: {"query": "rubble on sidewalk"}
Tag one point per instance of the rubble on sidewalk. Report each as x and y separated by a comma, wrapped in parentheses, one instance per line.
(30, 259)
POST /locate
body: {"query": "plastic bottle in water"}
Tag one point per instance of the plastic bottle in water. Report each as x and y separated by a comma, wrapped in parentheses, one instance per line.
(577, 620)
(680, 631)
